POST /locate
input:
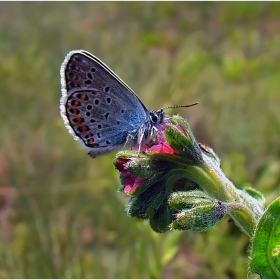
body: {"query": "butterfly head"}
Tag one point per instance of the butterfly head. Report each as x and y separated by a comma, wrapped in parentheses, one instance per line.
(157, 117)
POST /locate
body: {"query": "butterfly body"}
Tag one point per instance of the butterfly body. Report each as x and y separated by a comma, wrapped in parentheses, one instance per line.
(99, 109)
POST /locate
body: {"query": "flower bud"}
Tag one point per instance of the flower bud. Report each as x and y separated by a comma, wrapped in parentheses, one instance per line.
(198, 212)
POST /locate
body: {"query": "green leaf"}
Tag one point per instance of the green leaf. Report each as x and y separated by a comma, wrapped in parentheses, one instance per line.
(265, 254)
(144, 205)
(146, 168)
(256, 195)
(184, 146)
(161, 219)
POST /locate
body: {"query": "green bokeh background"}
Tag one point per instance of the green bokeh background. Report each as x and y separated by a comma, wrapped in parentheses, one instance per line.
(60, 213)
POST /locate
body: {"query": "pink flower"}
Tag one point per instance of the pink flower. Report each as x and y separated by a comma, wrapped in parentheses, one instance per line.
(145, 176)
(131, 182)
(162, 148)
(160, 144)
(134, 169)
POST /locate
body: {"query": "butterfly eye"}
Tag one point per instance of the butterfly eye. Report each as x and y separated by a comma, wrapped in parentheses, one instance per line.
(153, 117)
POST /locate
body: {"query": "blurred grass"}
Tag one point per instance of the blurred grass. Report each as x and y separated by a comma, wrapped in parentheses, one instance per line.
(60, 215)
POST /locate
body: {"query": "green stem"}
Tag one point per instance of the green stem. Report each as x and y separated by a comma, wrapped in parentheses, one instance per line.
(212, 181)
(215, 186)
(243, 217)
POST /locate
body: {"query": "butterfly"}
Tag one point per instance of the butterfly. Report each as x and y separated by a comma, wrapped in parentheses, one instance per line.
(100, 110)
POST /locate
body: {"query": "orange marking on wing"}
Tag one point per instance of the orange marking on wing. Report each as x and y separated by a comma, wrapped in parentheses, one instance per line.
(83, 97)
(84, 128)
(91, 142)
(75, 111)
(79, 119)
(77, 103)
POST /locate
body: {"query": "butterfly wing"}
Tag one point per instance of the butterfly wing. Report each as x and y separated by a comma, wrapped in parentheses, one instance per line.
(97, 107)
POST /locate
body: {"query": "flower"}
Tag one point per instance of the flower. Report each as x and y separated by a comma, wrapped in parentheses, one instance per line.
(136, 169)
(130, 181)
(173, 161)
(159, 144)
(150, 177)
(177, 183)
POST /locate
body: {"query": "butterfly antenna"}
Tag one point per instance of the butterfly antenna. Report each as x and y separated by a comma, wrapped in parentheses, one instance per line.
(179, 106)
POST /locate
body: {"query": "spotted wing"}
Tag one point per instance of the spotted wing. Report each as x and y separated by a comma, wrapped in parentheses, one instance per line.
(98, 108)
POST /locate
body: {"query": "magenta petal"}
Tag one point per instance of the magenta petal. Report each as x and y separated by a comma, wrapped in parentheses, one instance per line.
(132, 183)
(128, 187)
(162, 148)
(120, 164)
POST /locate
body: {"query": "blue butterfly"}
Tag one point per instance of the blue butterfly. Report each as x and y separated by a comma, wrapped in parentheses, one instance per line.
(100, 110)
